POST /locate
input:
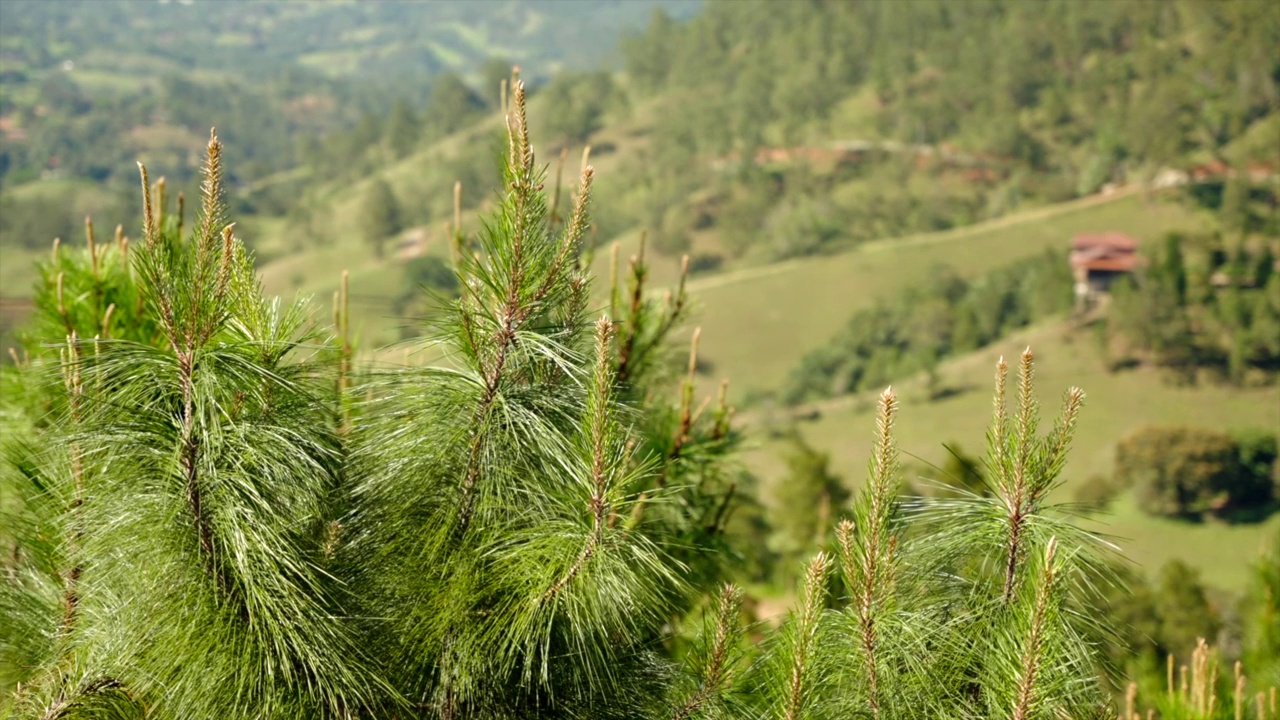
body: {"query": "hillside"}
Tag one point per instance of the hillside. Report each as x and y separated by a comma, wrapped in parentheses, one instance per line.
(90, 87)
(1116, 405)
(902, 130)
(787, 158)
(758, 323)
(756, 317)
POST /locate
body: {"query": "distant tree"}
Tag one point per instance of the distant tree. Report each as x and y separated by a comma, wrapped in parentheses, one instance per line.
(1096, 492)
(799, 226)
(1184, 609)
(492, 73)
(404, 129)
(648, 54)
(1151, 312)
(1173, 273)
(431, 273)
(959, 472)
(429, 283)
(451, 105)
(670, 233)
(380, 215)
(576, 104)
(1234, 212)
(1181, 471)
(1130, 603)
(344, 152)
(1258, 451)
(1264, 329)
(1260, 612)
(804, 503)
(1264, 266)
(61, 94)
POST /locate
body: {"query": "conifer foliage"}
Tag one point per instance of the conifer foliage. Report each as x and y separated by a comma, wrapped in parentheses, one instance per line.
(947, 607)
(210, 511)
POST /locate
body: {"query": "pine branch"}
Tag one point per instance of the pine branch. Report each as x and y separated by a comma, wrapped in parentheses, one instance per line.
(75, 395)
(600, 427)
(518, 306)
(1016, 486)
(643, 334)
(156, 278)
(626, 349)
(716, 674)
(1033, 648)
(866, 548)
(804, 644)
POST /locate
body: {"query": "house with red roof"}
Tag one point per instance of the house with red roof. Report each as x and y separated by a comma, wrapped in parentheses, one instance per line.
(1098, 259)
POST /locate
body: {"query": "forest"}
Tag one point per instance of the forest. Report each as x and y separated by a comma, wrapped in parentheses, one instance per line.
(745, 377)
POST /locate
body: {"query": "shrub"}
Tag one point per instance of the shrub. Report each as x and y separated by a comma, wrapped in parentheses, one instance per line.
(1258, 453)
(431, 273)
(1096, 492)
(1179, 471)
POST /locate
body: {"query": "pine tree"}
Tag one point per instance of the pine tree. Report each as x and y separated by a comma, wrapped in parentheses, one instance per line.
(805, 504)
(451, 105)
(494, 73)
(952, 607)
(452, 542)
(380, 215)
(403, 129)
(188, 481)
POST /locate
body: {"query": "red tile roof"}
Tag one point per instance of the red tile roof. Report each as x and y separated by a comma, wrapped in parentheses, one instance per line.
(1104, 252)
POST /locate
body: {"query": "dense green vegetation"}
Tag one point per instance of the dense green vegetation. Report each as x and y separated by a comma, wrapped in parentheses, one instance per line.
(948, 112)
(1202, 304)
(1220, 313)
(1189, 472)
